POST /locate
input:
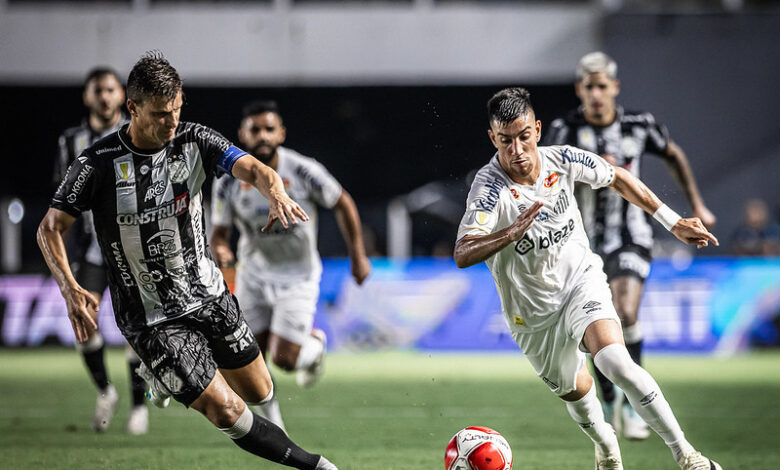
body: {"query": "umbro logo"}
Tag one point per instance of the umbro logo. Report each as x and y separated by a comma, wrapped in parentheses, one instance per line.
(591, 307)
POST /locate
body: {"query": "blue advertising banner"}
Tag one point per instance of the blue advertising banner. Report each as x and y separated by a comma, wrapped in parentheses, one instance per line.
(706, 305)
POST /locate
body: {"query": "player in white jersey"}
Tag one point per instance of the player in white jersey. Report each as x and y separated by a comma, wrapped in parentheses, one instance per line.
(522, 220)
(278, 272)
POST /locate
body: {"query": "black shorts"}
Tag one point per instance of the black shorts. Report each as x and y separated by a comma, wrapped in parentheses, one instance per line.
(90, 276)
(628, 260)
(185, 353)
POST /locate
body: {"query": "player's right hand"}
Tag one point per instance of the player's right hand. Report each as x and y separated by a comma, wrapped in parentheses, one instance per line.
(81, 307)
(693, 232)
(285, 210)
(524, 221)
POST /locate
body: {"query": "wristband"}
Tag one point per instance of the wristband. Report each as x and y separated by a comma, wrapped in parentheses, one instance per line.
(666, 216)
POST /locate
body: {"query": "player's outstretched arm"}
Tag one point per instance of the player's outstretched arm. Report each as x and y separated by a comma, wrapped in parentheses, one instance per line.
(269, 183)
(473, 249)
(79, 301)
(678, 165)
(633, 190)
(348, 220)
(220, 246)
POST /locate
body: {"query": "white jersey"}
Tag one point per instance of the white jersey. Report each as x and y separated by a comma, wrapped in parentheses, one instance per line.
(279, 255)
(534, 275)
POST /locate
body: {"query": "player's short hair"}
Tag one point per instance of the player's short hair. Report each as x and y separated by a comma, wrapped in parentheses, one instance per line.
(100, 72)
(596, 62)
(508, 105)
(153, 76)
(254, 108)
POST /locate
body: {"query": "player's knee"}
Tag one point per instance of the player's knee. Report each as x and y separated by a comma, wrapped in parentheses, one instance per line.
(259, 397)
(616, 364)
(225, 414)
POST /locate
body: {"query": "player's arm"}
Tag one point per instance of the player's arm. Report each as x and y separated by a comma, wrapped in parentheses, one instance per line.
(349, 223)
(79, 301)
(680, 169)
(633, 190)
(474, 249)
(220, 246)
(269, 183)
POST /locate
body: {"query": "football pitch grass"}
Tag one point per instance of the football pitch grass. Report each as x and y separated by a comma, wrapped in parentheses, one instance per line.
(387, 411)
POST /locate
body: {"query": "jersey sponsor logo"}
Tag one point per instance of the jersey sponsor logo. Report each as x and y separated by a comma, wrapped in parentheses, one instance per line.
(570, 156)
(154, 190)
(514, 192)
(543, 215)
(546, 241)
(492, 191)
(240, 339)
(212, 138)
(171, 209)
(163, 243)
(306, 176)
(122, 266)
(550, 181)
(78, 184)
(108, 149)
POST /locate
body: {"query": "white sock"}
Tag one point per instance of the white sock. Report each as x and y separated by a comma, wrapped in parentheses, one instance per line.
(241, 427)
(269, 409)
(310, 349)
(588, 414)
(644, 394)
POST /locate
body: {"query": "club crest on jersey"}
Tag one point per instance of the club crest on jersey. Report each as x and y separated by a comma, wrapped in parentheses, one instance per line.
(551, 180)
(178, 170)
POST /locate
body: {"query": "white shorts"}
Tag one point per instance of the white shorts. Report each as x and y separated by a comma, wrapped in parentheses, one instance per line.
(557, 353)
(285, 308)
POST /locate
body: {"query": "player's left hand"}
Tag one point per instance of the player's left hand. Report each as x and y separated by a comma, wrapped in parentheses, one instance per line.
(361, 268)
(285, 210)
(693, 232)
(707, 217)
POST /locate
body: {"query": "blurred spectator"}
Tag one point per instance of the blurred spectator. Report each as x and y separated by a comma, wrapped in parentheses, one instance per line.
(758, 235)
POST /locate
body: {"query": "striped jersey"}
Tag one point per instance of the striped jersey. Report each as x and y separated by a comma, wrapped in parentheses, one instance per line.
(535, 274)
(280, 254)
(147, 207)
(81, 240)
(610, 221)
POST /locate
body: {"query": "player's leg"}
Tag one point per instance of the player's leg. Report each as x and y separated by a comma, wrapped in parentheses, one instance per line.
(138, 419)
(293, 344)
(604, 340)
(255, 301)
(626, 295)
(92, 278)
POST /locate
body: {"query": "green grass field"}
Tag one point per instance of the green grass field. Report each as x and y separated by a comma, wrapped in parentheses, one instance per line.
(387, 411)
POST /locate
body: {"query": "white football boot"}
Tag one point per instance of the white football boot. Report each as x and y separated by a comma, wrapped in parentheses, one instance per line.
(309, 376)
(157, 393)
(608, 461)
(105, 407)
(696, 461)
(138, 421)
(633, 426)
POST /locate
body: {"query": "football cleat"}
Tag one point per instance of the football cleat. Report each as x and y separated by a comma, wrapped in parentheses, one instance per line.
(309, 376)
(138, 421)
(105, 407)
(157, 393)
(608, 461)
(696, 461)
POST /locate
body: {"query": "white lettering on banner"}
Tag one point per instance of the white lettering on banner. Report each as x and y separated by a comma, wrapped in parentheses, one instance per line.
(35, 311)
(677, 313)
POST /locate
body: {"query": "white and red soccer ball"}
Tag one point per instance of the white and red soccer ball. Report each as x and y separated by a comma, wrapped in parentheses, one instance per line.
(478, 448)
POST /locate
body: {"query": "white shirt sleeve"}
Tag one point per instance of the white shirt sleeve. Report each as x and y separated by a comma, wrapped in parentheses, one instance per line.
(482, 206)
(587, 167)
(221, 211)
(323, 188)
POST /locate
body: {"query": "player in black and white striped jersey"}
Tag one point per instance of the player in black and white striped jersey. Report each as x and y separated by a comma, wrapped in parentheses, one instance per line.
(143, 184)
(619, 231)
(104, 96)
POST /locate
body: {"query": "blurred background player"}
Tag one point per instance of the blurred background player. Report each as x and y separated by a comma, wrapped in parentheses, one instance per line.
(758, 234)
(278, 275)
(619, 231)
(522, 221)
(143, 184)
(103, 96)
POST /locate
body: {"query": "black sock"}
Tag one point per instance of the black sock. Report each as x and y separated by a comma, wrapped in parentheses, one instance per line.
(137, 384)
(97, 366)
(268, 441)
(607, 388)
(635, 350)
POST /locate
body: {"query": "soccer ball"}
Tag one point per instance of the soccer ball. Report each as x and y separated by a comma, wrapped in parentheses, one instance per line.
(478, 448)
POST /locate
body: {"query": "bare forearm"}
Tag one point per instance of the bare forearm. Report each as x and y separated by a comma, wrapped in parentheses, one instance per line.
(681, 170)
(471, 249)
(348, 220)
(53, 248)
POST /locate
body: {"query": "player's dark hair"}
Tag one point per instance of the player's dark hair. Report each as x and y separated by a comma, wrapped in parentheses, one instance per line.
(259, 107)
(100, 72)
(153, 76)
(508, 105)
